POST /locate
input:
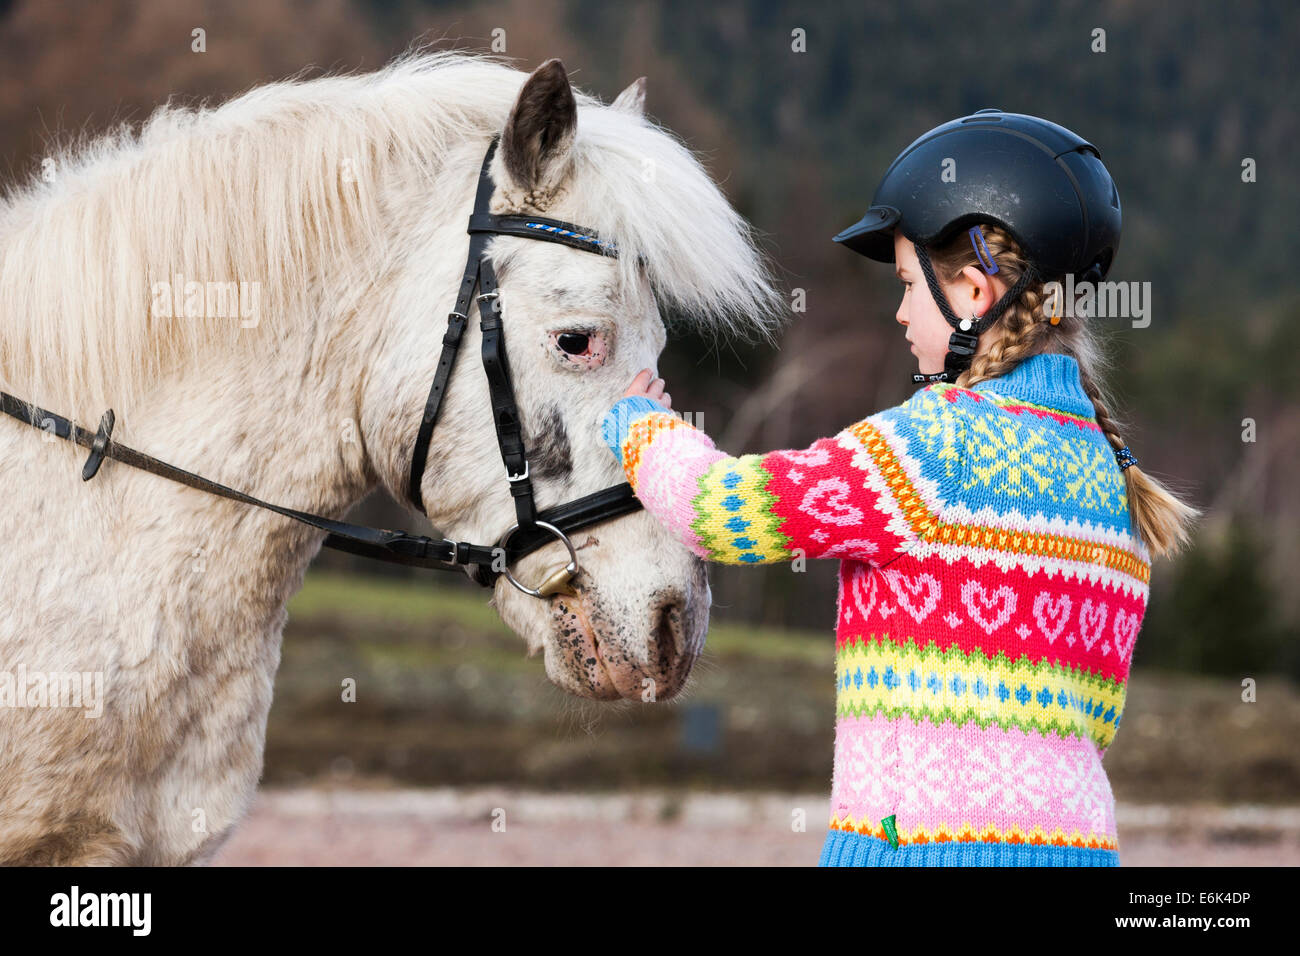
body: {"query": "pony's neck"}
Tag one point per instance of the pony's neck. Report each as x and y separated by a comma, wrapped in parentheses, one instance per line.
(279, 423)
(272, 409)
(173, 571)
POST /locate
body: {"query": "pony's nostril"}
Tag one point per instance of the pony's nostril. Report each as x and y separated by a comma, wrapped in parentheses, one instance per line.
(668, 632)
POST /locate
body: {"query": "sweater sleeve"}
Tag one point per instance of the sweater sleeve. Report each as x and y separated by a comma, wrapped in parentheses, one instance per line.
(846, 496)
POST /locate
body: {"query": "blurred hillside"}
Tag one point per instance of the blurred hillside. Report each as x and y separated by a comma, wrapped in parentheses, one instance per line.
(1182, 94)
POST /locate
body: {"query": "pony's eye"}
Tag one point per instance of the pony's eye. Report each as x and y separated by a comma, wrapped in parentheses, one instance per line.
(575, 343)
(579, 349)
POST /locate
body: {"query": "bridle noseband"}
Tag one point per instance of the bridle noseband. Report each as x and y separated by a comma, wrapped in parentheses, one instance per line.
(532, 529)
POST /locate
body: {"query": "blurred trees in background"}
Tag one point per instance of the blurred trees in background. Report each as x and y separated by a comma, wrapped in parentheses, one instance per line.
(1181, 96)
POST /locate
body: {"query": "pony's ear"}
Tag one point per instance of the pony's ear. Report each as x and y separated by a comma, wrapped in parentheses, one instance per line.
(632, 99)
(539, 133)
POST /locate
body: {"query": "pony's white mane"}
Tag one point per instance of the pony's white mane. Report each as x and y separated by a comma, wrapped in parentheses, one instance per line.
(282, 184)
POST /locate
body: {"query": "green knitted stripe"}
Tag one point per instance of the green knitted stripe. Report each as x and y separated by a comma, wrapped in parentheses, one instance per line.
(766, 543)
(933, 653)
(950, 685)
(1060, 727)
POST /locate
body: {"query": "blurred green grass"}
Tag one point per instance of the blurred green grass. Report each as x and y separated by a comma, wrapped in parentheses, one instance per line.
(394, 603)
(446, 695)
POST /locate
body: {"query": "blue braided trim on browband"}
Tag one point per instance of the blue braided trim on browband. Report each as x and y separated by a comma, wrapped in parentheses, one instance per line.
(569, 233)
(540, 227)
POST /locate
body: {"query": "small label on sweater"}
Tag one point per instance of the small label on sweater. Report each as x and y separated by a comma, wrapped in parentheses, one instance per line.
(890, 830)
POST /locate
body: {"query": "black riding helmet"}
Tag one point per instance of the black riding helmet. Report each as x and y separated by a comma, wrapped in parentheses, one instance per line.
(1042, 183)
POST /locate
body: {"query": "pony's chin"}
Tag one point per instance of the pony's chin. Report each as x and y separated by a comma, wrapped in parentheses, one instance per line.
(595, 648)
(574, 659)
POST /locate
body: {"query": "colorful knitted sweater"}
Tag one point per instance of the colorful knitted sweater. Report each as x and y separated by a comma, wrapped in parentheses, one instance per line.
(990, 594)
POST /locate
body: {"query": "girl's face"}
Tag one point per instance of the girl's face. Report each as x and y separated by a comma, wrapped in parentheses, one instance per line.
(928, 332)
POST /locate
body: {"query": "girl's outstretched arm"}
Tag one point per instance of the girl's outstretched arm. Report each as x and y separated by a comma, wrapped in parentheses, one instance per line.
(846, 496)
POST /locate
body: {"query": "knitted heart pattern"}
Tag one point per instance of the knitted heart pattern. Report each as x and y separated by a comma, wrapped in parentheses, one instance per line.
(1051, 614)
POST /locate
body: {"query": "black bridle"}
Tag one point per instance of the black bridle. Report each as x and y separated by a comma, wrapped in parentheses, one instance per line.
(532, 530)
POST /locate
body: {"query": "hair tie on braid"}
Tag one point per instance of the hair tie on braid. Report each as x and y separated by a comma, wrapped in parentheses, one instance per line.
(1125, 458)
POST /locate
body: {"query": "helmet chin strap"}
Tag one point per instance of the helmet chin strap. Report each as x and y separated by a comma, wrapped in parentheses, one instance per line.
(964, 342)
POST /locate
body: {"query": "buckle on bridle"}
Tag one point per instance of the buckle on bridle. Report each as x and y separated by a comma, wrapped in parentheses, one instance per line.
(494, 296)
(519, 477)
(99, 447)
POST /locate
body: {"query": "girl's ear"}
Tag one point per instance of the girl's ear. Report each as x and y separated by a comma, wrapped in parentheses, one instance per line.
(990, 288)
(538, 136)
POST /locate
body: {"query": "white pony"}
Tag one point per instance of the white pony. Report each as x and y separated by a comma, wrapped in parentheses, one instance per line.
(339, 205)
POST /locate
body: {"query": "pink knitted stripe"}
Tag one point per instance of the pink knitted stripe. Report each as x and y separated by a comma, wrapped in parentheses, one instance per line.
(929, 775)
(670, 468)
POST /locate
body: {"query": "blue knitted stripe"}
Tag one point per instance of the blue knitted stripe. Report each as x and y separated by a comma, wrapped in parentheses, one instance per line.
(853, 849)
(617, 421)
(1046, 379)
(1018, 464)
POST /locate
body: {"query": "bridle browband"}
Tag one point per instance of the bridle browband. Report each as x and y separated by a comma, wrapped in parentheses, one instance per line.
(532, 530)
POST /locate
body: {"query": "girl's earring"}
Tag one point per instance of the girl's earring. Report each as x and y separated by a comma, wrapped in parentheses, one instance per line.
(967, 324)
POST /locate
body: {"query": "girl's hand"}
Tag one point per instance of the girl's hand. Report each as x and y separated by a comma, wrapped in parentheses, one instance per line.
(646, 384)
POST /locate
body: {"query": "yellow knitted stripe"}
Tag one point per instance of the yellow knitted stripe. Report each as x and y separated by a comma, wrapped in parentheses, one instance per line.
(736, 515)
(877, 676)
(968, 833)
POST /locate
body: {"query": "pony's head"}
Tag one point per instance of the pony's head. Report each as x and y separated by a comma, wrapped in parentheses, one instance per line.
(345, 201)
(577, 328)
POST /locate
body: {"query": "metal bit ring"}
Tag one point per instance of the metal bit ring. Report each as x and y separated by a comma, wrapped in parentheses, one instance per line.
(571, 568)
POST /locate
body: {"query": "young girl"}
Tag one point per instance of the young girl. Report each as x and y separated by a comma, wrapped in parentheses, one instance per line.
(993, 531)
